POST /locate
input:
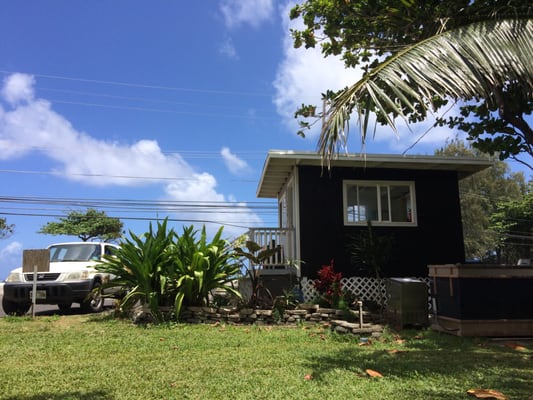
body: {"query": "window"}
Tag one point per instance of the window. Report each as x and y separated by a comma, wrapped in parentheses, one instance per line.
(391, 203)
(73, 252)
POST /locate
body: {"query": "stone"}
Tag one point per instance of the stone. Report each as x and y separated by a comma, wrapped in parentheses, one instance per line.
(341, 329)
(296, 312)
(227, 310)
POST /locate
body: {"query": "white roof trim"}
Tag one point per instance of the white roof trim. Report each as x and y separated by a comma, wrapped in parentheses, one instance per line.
(279, 164)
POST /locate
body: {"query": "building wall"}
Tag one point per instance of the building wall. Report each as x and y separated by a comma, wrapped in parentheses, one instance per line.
(437, 239)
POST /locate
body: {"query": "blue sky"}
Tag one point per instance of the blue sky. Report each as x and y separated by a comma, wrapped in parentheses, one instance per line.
(149, 102)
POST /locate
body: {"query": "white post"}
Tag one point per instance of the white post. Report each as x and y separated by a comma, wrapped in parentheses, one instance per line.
(360, 304)
(34, 291)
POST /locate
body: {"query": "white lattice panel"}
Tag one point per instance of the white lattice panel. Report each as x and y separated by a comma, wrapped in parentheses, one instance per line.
(364, 288)
(308, 289)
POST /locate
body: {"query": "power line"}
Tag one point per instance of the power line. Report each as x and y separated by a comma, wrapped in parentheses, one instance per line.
(141, 85)
(128, 203)
(253, 116)
(33, 172)
(145, 178)
(143, 210)
(130, 108)
(141, 99)
(201, 221)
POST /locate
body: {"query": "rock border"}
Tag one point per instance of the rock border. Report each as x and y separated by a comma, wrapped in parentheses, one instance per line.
(340, 321)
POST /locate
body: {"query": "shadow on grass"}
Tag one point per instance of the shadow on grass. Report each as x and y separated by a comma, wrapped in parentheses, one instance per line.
(431, 358)
(97, 395)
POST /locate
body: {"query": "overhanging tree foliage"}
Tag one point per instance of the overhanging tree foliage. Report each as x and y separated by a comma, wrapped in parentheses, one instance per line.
(91, 224)
(479, 195)
(513, 221)
(419, 56)
(5, 228)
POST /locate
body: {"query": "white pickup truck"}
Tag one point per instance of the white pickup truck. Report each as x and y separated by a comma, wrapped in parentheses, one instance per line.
(71, 279)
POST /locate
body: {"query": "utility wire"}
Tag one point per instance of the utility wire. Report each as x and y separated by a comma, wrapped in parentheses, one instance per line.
(141, 99)
(142, 178)
(165, 111)
(202, 221)
(126, 209)
(128, 203)
(140, 85)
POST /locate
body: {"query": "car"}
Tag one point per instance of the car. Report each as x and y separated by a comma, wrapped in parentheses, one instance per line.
(72, 278)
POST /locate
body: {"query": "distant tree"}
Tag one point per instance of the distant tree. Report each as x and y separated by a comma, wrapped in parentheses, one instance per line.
(5, 228)
(479, 195)
(513, 221)
(87, 225)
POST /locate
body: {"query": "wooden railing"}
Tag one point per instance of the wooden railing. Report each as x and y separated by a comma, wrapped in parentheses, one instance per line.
(282, 239)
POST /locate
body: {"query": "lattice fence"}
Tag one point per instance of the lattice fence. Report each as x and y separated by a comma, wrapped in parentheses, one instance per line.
(364, 288)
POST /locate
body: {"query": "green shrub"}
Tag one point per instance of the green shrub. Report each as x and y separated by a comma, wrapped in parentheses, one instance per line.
(142, 267)
(161, 269)
(201, 267)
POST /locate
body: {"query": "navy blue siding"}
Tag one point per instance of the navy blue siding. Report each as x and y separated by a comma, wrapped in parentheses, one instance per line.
(437, 239)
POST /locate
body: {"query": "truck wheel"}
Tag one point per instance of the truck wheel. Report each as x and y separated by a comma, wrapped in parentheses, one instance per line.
(95, 302)
(64, 306)
(14, 308)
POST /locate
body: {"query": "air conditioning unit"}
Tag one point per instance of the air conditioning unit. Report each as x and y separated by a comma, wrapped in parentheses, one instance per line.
(407, 302)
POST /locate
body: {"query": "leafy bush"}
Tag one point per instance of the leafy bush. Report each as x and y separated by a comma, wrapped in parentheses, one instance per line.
(330, 290)
(201, 267)
(329, 286)
(161, 269)
(142, 267)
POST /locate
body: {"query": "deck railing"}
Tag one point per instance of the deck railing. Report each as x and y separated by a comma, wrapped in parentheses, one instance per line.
(282, 239)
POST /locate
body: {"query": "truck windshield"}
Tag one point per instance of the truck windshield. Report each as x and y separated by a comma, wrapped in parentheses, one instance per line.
(74, 252)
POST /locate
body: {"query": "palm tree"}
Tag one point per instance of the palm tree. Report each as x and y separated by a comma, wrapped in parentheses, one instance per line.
(482, 60)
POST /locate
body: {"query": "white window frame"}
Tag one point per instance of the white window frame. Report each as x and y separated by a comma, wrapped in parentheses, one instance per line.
(379, 185)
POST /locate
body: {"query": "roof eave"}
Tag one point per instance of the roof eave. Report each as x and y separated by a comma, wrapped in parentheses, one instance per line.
(281, 163)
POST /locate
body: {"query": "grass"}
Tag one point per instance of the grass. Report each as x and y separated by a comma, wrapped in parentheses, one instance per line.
(97, 357)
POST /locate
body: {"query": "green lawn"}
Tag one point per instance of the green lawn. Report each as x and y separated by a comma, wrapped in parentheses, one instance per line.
(97, 357)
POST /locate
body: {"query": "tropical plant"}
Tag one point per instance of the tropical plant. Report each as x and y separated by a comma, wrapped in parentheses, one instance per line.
(417, 56)
(87, 225)
(253, 256)
(369, 251)
(288, 301)
(144, 267)
(200, 267)
(329, 286)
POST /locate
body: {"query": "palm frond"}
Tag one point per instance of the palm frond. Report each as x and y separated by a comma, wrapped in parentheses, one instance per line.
(464, 63)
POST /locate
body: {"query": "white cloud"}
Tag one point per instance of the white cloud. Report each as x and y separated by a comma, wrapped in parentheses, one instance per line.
(35, 127)
(18, 88)
(303, 74)
(227, 48)
(234, 164)
(201, 188)
(251, 12)
(235, 217)
(11, 256)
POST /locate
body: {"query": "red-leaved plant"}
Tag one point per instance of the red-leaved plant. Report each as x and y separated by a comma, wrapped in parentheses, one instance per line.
(329, 285)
